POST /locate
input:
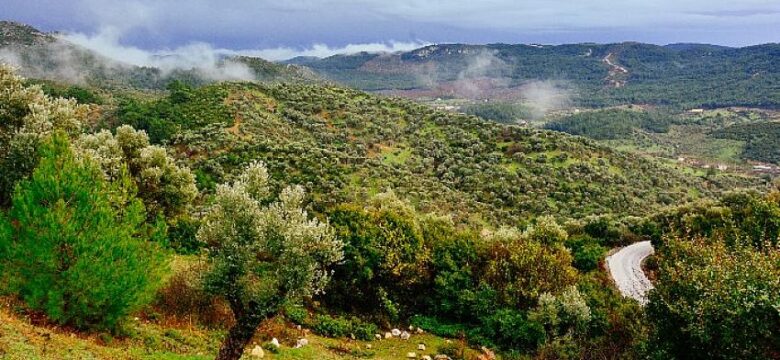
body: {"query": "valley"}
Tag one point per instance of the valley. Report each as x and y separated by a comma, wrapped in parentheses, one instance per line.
(454, 201)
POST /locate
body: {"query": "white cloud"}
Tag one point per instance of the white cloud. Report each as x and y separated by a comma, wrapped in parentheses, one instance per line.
(322, 50)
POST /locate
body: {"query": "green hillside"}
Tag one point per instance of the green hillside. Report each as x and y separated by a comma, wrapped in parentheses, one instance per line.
(346, 145)
(679, 75)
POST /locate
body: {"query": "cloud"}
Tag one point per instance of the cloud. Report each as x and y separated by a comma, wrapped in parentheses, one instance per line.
(545, 96)
(322, 50)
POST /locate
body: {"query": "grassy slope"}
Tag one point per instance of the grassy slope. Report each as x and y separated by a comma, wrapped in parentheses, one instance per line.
(21, 339)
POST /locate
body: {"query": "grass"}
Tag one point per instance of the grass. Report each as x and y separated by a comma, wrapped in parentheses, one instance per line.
(23, 338)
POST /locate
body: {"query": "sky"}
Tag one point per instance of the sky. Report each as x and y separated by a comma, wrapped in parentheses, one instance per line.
(286, 28)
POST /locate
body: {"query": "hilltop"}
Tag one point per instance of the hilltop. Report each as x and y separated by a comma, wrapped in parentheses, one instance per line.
(687, 75)
(46, 56)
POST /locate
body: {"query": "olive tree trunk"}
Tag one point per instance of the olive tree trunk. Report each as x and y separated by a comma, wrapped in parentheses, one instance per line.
(239, 336)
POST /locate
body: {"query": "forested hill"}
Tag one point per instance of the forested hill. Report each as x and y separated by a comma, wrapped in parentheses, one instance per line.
(690, 75)
(46, 56)
(345, 145)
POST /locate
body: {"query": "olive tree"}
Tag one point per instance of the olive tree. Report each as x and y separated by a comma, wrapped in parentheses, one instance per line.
(263, 256)
(27, 117)
(164, 186)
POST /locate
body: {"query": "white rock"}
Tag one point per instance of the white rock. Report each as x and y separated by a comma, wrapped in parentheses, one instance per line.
(378, 336)
(395, 332)
(405, 335)
(301, 343)
(426, 357)
(411, 327)
(441, 357)
(411, 355)
(275, 342)
(421, 347)
(368, 346)
(257, 352)
(420, 331)
(388, 335)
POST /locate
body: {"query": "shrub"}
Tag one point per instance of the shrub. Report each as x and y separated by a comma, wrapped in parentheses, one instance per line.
(716, 301)
(79, 249)
(331, 326)
(183, 296)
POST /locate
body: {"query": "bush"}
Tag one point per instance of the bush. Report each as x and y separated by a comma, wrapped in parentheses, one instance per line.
(182, 236)
(331, 326)
(79, 249)
(337, 326)
(587, 253)
(184, 297)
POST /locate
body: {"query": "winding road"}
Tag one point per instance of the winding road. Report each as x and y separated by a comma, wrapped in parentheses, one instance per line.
(625, 266)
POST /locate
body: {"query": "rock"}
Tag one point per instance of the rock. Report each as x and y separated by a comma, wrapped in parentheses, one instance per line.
(426, 357)
(275, 342)
(352, 336)
(487, 354)
(257, 352)
(421, 347)
(405, 335)
(420, 331)
(388, 335)
(378, 336)
(411, 327)
(411, 355)
(441, 357)
(395, 332)
(301, 343)
(298, 327)
(368, 346)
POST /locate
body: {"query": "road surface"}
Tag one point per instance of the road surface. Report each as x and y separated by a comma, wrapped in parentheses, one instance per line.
(625, 266)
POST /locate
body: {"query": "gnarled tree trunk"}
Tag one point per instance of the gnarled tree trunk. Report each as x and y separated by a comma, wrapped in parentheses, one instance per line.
(239, 335)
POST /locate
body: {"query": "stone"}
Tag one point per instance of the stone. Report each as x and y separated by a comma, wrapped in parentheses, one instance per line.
(411, 327)
(411, 355)
(388, 335)
(421, 347)
(378, 336)
(257, 352)
(441, 357)
(487, 354)
(405, 335)
(420, 331)
(395, 332)
(426, 357)
(368, 346)
(301, 343)
(275, 342)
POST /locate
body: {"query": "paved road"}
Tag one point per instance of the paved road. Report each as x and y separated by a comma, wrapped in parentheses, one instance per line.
(626, 269)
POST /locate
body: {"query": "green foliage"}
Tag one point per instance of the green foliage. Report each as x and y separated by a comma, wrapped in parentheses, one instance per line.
(80, 94)
(28, 116)
(521, 270)
(611, 124)
(183, 108)
(331, 326)
(716, 301)
(346, 146)
(761, 139)
(505, 113)
(660, 75)
(79, 249)
(385, 257)
(182, 236)
(738, 216)
(586, 251)
(165, 187)
(261, 256)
